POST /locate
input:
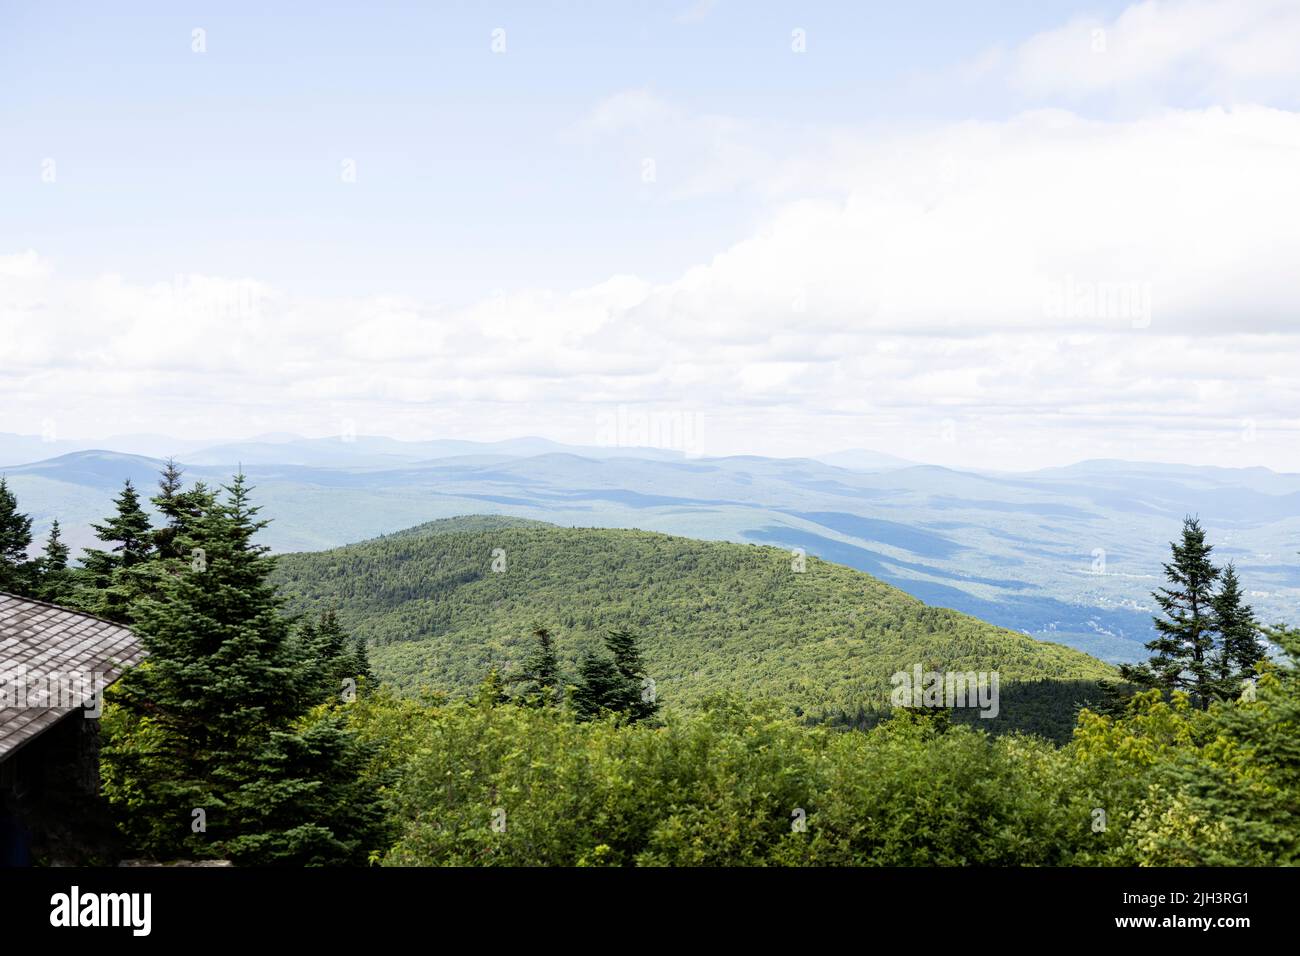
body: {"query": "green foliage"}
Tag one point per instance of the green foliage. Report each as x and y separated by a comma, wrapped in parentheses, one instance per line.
(539, 681)
(16, 571)
(713, 617)
(617, 684)
(1240, 648)
(218, 718)
(54, 577)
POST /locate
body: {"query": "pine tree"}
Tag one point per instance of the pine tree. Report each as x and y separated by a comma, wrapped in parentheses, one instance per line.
(1239, 634)
(1183, 650)
(16, 570)
(640, 698)
(110, 582)
(616, 683)
(212, 719)
(600, 687)
(180, 509)
(55, 580)
(540, 676)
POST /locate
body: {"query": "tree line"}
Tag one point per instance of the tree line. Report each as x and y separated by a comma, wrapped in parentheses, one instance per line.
(230, 739)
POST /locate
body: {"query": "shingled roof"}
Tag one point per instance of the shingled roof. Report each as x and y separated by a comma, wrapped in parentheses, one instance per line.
(42, 640)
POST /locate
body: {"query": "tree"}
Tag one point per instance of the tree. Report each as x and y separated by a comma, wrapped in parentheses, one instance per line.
(112, 580)
(16, 571)
(639, 689)
(493, 689)
(180, 509)
(212, 721)
(600, 688)
(55, 580)
(1182, 652)
(1240, 646)
(617, 683)
(329, 659)
(540, 675)
(128, 530)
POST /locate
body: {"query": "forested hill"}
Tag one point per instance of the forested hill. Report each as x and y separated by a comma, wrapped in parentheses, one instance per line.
(712, 616)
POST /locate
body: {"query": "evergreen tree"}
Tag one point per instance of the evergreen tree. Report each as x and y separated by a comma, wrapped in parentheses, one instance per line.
(328, 658)
(1183, 650)
(600, 687)
(640, 697)
(212, 720)
(16, 571)
(361, 661)
(540, 676)
(180, 509)
(55, 583)
(128, 530)
(1240, 647)
(616, 683)
(111, 581)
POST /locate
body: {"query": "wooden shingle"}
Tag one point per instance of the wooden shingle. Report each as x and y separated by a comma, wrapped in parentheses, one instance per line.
(46, 640)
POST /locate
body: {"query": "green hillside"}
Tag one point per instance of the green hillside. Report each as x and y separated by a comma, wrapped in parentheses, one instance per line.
(713, 616)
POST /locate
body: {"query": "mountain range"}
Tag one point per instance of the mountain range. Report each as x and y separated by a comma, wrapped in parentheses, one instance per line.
(1065, 554)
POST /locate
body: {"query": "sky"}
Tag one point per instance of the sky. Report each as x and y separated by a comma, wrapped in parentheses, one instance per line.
(997, 235)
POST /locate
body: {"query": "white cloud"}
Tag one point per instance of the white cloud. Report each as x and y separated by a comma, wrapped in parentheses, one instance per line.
(1014, 293)
(1217, 50)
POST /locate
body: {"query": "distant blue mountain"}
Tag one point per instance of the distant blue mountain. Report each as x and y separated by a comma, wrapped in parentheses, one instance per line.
(1069, 554)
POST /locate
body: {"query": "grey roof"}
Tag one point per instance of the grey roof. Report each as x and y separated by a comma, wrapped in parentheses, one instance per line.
(44, 640)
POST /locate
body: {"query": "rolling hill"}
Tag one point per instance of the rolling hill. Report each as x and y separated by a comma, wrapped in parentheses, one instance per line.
(1066, 554)
(714, 616)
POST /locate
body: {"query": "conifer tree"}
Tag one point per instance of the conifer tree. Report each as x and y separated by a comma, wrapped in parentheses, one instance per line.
(211, 720)
(111, 581)
(16, 570)
(179, 508)
(1240, 647)
(1183, 650)
(329, 657)
(616, 683)
(128, 531)
(599, 689)
(640, 701)
(55, 583)
(540, 676)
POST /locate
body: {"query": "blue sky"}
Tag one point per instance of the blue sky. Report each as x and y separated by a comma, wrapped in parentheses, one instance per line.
(472, 171)
(503, 263)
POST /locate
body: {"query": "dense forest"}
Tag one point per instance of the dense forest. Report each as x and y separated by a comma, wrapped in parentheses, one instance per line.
(260, 735)
(442, 603)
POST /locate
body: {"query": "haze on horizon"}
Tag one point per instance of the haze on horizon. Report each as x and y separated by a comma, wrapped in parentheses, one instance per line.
(1033, 237)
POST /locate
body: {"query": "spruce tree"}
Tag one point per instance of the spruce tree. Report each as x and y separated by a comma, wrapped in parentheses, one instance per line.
(55, 582)
(616, 683)
(128, 530)
(213, 720)
(111, 581)
(179, 508)
(1240, 647)
(640, 701)
(16, 570)
(540, 676)
(1183, 650)
(600, 688)
(328, 658)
